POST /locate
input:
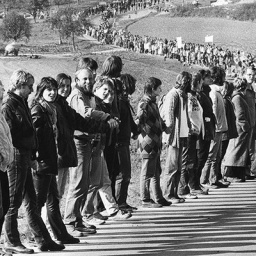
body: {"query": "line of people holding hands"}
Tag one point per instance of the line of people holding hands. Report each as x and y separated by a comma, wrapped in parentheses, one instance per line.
(81, 131)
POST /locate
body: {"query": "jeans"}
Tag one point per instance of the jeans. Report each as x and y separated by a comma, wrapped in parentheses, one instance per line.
(202, 155)
(47, 192)
(79, 181)
(210, 171)
(124, 176)
(188, 172)
(62, 180)
(99, 183)
(4, 183)
(172, 170)
(150, 172)
(21, 188)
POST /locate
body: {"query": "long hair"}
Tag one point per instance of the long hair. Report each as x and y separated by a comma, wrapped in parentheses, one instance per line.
(240, 84)
(60, 78)
(129, 83)
(112, 66)
(45, 83)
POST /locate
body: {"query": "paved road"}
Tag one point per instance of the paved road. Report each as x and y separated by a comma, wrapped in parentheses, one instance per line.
(222, 223)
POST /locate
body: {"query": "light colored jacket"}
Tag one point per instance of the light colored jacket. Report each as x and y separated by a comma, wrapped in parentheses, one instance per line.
(170, 114)
(218, 109)
(6, 146)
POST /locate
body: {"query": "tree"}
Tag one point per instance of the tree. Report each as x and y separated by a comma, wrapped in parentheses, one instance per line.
(68, 23)
(60, 2)
(36, 6)
(15, 27)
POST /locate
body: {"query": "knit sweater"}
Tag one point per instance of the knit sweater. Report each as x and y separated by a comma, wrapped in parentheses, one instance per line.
(151, 127)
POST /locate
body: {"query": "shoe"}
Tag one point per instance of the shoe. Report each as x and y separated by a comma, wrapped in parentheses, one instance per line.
(127, 207)
(120, 215)
(99, 216)
(224, 182)
(150, 204)
(68, 239)
(17, 249)
(221, 184)
(75, 233)
(199, 191)
(164, 202)
(233, 179)
(188, 196)
(210, 186)
(94, 221)
(176, 200)
(205, 189)
(250, 177)
(87, 225)
(52, 246)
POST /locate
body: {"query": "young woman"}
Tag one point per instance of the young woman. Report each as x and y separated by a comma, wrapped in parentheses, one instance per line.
(150, 143)
(44, 117)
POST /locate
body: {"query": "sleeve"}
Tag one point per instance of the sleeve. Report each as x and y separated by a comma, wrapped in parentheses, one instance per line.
(240, 113)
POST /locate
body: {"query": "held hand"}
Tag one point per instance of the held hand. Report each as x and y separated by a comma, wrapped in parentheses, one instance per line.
(113, 123)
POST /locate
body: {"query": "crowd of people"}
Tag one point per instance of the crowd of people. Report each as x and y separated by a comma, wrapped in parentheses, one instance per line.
(78, 137)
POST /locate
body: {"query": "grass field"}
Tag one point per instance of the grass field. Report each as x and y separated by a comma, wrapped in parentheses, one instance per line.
(229, 33)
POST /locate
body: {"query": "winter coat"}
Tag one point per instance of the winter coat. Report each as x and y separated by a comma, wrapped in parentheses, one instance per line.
(68, 120)
(151, 127)
(17, 114)
(238, 148)
(46, 155)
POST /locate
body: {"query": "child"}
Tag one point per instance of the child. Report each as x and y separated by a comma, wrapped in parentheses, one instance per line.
(150, 142)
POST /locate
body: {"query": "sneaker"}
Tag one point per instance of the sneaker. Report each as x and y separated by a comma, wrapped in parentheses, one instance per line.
(127, 207)
(164, 202)
(84, 229)
(205, 189)
(73, 232)
(199, 192)
(120, 215)
(99, 216)
(176, 200)
(91, 220)
(224, 182)
(189, 196)
(210, 186)
(150, 204)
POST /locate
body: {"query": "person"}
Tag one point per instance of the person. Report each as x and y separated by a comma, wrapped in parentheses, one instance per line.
(17, 114)
(99, 176)
(249, 75)
(210, 174)
(227, 91)
(187, 183)
(237, 153)
(175, 115)
(127, 127)
(6, 159)
(82, 101)
(68, 120)
(209, 126)
(44, 116)
(151, 127)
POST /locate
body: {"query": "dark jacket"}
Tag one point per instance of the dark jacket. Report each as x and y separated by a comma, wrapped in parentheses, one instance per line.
(231, 120)
(68, 120)
(127, 124)
(17, 114)
(208, 115)
(47, 153)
